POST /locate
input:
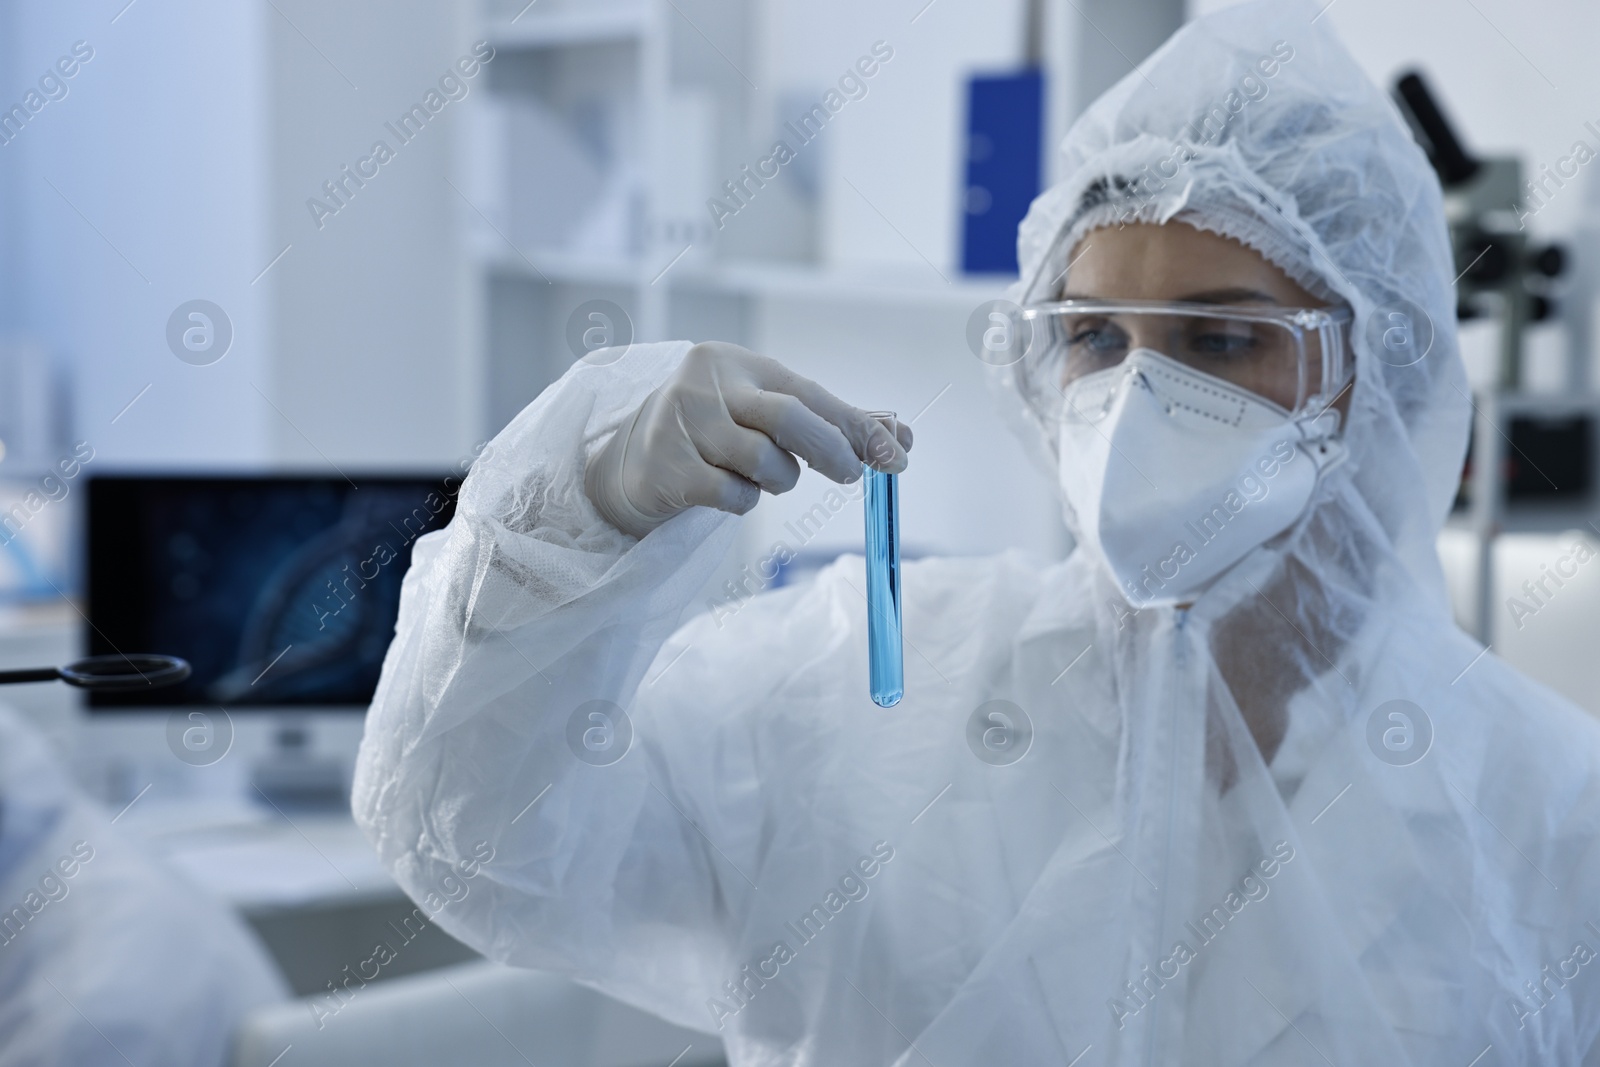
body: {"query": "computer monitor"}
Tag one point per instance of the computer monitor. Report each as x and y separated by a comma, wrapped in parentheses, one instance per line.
(280, 590)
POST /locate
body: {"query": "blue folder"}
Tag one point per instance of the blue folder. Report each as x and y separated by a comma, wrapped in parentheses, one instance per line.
(1005, 128)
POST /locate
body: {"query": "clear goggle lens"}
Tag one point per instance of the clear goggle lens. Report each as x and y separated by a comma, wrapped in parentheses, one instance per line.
(1289, 357)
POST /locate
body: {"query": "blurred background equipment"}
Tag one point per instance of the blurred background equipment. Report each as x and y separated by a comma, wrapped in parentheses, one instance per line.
(118, 671)
(34, 418)
(34, 404)
(1530, 466)
(280, 591)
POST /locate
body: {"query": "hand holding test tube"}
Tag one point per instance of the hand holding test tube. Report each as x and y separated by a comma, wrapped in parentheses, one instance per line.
(882, 506)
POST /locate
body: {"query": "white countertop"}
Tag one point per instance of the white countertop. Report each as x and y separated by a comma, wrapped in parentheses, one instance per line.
(258, 859)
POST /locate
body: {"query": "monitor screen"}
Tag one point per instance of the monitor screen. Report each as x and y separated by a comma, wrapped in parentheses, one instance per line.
(278, 590)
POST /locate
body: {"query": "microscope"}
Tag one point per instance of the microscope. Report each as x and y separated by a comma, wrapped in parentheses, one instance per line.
(1531, 462)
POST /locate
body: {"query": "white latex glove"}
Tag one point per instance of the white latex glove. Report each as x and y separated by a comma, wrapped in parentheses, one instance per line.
(725, 426)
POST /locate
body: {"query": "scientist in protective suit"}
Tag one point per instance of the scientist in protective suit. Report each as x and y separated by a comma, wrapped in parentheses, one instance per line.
(1225, 786)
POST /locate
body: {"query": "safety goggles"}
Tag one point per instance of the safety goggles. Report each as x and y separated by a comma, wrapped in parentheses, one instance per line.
(1293, 358)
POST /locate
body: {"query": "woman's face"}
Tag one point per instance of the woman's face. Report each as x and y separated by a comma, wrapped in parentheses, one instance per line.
(1176, 262)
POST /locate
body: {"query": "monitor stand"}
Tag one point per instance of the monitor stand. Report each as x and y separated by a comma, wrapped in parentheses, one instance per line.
(292, 776)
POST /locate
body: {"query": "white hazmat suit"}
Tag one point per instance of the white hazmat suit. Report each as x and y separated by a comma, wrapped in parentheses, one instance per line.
(1303, 821)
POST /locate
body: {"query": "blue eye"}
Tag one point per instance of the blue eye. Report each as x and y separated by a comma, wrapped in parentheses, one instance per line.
(1098, 339)
(1221, 341)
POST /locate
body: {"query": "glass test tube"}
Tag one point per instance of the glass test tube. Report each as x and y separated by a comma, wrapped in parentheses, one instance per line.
(882, 506)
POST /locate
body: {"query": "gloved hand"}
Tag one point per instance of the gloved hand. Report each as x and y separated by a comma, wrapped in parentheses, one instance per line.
(726, 425)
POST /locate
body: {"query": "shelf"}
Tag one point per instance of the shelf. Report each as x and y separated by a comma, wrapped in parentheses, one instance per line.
(596, 25)
(559, 267)
(892, 285)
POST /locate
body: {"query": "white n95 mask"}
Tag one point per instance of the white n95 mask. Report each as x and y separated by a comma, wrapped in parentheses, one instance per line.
(1175, 475)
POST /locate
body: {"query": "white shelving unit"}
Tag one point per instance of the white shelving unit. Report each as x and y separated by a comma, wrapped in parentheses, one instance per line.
(562, 59)
(578, 26)
(750, 279)
(669, 88)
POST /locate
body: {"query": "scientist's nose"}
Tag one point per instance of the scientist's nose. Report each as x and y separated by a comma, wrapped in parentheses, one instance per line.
(1147, 334)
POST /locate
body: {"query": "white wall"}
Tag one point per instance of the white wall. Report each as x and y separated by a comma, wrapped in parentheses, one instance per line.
(190, 142)
(159, 145)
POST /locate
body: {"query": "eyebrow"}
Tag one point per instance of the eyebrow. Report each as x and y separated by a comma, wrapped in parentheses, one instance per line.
(1235, 295)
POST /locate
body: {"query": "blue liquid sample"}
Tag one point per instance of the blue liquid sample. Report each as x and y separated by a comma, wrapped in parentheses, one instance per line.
(883, 587)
